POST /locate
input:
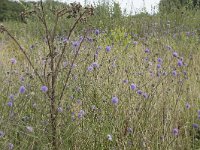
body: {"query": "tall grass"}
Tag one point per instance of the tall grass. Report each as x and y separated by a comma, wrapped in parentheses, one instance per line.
(101, 108)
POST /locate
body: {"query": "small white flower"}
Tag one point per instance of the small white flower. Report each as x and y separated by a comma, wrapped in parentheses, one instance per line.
(29, 128)
(109, 137)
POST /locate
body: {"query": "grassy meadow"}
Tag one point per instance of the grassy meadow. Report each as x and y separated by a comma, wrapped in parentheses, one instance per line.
(119, 82)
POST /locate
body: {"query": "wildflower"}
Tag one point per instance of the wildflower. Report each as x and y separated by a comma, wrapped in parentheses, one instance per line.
(13, 61)
(11, 97)
(194, 125)
(147, 50)
(81, 114)
(2, 134)
(75, 43)
(90, 68)
(160, 60)
(95, 65)
(29, 128)
(180, 63)
(10, 103)
(168, 47)
(108, 48)
(22, 90)
(158, 66)
(64, 64)
(125, 81)
(175, 131)
(174, 73)
(187, 105)
(10, 146)
(139, 92)
(44, 88)
(109, 137)
(175, 54)
(133, 86)
(97, 32)
(130, 130)
(135, 42)
(60, 109)
(145, 95)
(115, 100)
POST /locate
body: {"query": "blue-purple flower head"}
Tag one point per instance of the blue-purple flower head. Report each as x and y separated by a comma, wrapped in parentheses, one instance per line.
(81, 114)
(115, 100)
(159, 66)
(147, 50)
(175, 131)
(97, 32)
(44, 88)
(75, 43)
(133, 86)
(108, 48)
(10, 103)
(175, 54)
(139, 92)
(13, 61)
(22, 90)
(187, 105)
(159, 60)
(90, 68)
(174, 73)
(95, 65)
(195, 126)
(180, 63)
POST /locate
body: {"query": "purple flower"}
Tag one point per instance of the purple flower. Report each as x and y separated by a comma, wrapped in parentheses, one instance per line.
(125, 81)
(2, 134)
(75, 43)
(97, 32)
(11, 97)
(44, 88)
(95, 65)
(135, 42)
(174, 73)
(147, 50)
(175, 132)
(10, 103)
(133, 86)
(194, 125)
(90, 68)
(175, 54)
(115, 100)
(60, 109)
(139, 92)
(159, 66)
(108, 48)
(180, 63)
(160, 60)
(22, 90)
(81, 114)
(13, 61)
(187, 106)
(145, 95)
(198, 112)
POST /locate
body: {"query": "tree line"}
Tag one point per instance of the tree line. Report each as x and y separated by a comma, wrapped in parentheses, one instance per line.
(10, 10)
